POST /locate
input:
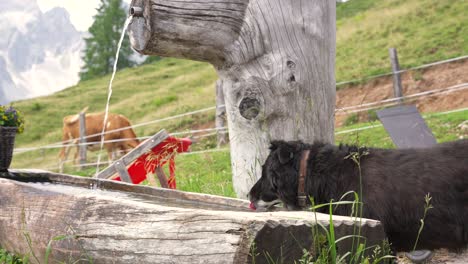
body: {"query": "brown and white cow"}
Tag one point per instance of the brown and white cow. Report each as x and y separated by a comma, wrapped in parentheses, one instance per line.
(94, 123)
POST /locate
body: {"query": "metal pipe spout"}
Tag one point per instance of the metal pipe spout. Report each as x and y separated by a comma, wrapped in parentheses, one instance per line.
(136, 11)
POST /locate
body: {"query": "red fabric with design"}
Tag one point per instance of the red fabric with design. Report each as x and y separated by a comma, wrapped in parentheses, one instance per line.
(160, 155)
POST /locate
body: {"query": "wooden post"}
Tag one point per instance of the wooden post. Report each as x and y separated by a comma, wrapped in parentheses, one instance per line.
(275, 58)
(220, 114)
(397, 87)
(162, 177)
(82, 141)
(130, 157)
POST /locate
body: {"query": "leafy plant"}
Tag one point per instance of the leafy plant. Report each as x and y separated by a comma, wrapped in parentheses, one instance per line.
(372, 116)
(10, 117)
(351, 119)
(158, 102)
(8, 258)
(427, 206)
(37, 106)
(325, 245)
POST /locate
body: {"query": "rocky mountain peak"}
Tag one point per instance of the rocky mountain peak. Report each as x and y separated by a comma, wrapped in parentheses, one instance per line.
(41, 51)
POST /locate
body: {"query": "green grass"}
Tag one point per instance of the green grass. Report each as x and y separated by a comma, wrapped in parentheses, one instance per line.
(211, 172)
(8, 258)
(154, 91)
(365, 31)
(353, 8)
(444, 128)
(194, 177)
(422, 31)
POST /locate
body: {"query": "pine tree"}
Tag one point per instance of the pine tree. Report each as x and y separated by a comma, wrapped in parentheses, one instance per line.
(101, 46)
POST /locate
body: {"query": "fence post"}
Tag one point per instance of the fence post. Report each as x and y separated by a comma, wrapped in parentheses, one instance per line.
(220, 113)
(82, 141)
(397, 86)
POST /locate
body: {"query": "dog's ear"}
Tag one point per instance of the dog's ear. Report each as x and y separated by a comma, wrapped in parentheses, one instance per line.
(284, 150)
(285, 154)
(276, 144)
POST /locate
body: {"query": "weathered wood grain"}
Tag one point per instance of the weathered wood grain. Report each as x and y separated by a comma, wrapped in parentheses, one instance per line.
(220, 114)
(140, 226)
(275, 59)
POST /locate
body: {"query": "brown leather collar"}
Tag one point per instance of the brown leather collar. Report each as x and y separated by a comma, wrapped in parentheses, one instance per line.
(301, 194)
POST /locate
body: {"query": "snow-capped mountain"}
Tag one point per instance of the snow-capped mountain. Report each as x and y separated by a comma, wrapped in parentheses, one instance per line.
(40, 53)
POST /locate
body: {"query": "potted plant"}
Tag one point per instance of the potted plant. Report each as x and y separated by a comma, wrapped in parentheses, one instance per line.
(11, 123)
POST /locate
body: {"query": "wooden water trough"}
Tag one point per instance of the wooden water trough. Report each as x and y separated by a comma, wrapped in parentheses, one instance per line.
(103, 221)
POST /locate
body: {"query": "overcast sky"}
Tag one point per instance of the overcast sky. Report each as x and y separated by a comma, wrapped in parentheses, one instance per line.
(81, 11)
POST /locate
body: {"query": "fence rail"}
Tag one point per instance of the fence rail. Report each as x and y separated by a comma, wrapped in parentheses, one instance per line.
(348, 131)
(339, 111)
(403, 71)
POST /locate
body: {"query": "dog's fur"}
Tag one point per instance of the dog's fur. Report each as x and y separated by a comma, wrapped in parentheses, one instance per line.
(394, 184)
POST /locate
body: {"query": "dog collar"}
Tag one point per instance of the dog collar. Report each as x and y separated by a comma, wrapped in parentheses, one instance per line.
(301, 194)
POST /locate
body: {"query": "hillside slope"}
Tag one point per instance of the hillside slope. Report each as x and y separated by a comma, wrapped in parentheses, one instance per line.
(365, 31)
(422, 31)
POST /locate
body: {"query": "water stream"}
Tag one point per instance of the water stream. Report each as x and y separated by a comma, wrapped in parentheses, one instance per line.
(124, 31)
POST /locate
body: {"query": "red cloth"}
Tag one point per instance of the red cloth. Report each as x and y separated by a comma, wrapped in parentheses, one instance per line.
(157, 157)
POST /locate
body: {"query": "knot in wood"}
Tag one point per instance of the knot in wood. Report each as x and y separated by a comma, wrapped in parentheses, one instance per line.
(291, 64)
(249, 108)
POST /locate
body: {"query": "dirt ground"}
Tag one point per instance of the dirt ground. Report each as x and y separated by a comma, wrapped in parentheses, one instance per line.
(441, 256)
(416, 81)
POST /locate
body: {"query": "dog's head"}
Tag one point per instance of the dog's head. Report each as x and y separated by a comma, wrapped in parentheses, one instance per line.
(279, 177)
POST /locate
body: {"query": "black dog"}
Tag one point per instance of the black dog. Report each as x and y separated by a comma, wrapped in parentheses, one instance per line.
(394, 186)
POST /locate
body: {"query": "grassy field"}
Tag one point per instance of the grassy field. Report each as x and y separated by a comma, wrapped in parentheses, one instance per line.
(365, 31)
(422, 31)
(142, 94)
(211, 172)
(214, 176)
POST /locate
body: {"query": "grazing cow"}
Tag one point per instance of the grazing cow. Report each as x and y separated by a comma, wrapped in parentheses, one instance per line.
(94, 123)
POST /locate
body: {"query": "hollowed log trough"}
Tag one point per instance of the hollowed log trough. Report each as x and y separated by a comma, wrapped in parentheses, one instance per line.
(103, 221)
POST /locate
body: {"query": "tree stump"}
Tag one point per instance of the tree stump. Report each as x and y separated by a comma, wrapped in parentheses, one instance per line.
(275, 59)
(115, 222)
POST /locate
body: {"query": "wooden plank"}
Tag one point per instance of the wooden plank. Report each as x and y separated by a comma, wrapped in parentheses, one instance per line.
(126, 227)
(162, 177)
(220, 114)
(135, 153)
(111, 185)
(122, 170)
(107, 172)
(145, 147)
